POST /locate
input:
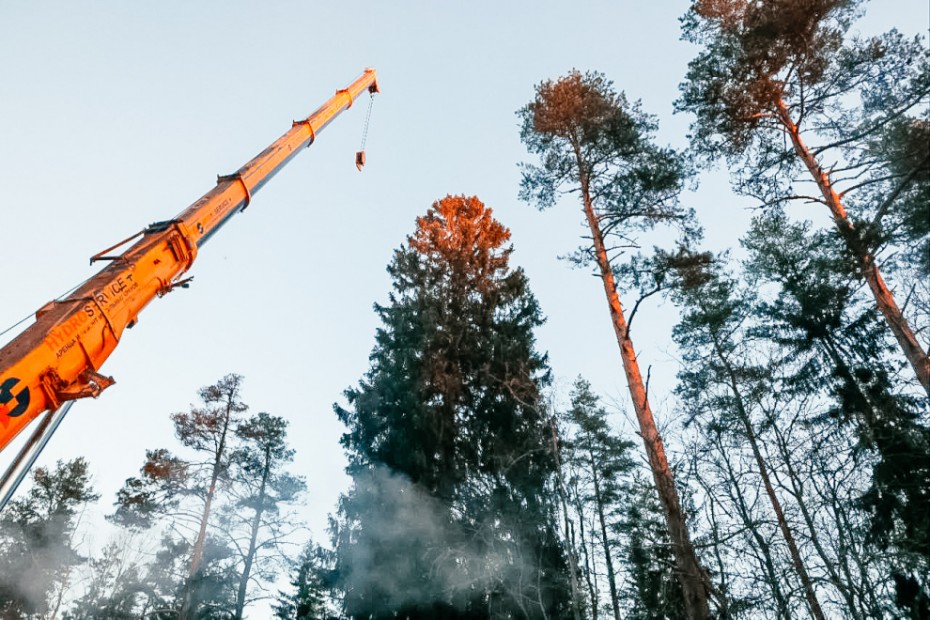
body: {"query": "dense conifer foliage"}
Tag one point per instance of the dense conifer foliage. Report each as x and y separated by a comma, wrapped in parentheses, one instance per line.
(599, 462)
(450, 512)
(312, 581)
(838, 344)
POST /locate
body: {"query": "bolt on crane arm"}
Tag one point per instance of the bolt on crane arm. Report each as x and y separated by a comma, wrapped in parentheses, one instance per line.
(58, 358)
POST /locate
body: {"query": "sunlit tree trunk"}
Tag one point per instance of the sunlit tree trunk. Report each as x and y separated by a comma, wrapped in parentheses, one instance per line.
(884, 300)
(197, 554)
(694, 580)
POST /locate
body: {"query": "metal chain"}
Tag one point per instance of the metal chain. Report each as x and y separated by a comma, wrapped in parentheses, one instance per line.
(371, 102)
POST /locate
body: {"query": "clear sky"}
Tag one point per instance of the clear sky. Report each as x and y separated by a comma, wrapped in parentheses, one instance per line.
(117, 114)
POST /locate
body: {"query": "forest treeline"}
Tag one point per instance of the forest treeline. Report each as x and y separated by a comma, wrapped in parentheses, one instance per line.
(786, 476)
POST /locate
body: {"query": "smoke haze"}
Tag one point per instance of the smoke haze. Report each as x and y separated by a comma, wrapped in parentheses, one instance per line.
(415, 552)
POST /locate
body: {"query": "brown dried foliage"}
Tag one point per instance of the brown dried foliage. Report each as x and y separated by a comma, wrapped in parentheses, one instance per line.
(776, 42)
(461, 232)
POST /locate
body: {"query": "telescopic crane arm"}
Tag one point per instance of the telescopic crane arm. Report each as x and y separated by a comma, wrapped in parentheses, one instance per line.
(58, 358)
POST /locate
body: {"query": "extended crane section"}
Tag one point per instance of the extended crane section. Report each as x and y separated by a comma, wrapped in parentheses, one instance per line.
(59, 357)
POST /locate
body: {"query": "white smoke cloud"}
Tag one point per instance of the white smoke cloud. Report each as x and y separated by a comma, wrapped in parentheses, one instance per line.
(413, 550)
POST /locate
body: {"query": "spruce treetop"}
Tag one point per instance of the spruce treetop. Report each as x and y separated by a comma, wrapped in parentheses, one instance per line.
(460, 239)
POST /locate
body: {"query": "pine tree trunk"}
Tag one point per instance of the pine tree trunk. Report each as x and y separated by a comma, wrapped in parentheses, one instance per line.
(786, 531)
(253, 538)
(599, 503)
(723, 611)
(573, 564)
(884, 300)
(197, 555)
(694, 580)
(588, 570)
(848, 548)
(797, 487)
(766, 562)
(787, 534)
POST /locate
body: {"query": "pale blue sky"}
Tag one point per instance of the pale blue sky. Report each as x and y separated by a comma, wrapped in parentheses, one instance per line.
(117, 114)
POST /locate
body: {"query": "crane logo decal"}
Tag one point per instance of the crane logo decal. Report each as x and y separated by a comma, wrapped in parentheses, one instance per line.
(21, 398)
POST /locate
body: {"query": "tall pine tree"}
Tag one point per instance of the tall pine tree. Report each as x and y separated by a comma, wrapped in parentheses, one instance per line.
(772, 90)
(592, 141)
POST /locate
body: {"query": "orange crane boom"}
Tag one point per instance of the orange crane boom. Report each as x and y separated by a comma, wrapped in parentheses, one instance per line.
(58, 358)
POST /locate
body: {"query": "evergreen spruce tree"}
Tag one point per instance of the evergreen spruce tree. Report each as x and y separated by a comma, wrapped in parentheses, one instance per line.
(601, 462)
(652, 590)
(311, 585)
(450, 514)
(720, 385)
(834, 342)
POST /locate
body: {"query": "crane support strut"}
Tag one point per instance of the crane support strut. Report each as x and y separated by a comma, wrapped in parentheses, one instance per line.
(236, 176)
(348, 94)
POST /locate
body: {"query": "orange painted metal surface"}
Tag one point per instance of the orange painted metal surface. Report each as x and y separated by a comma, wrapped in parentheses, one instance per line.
(59, 357)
